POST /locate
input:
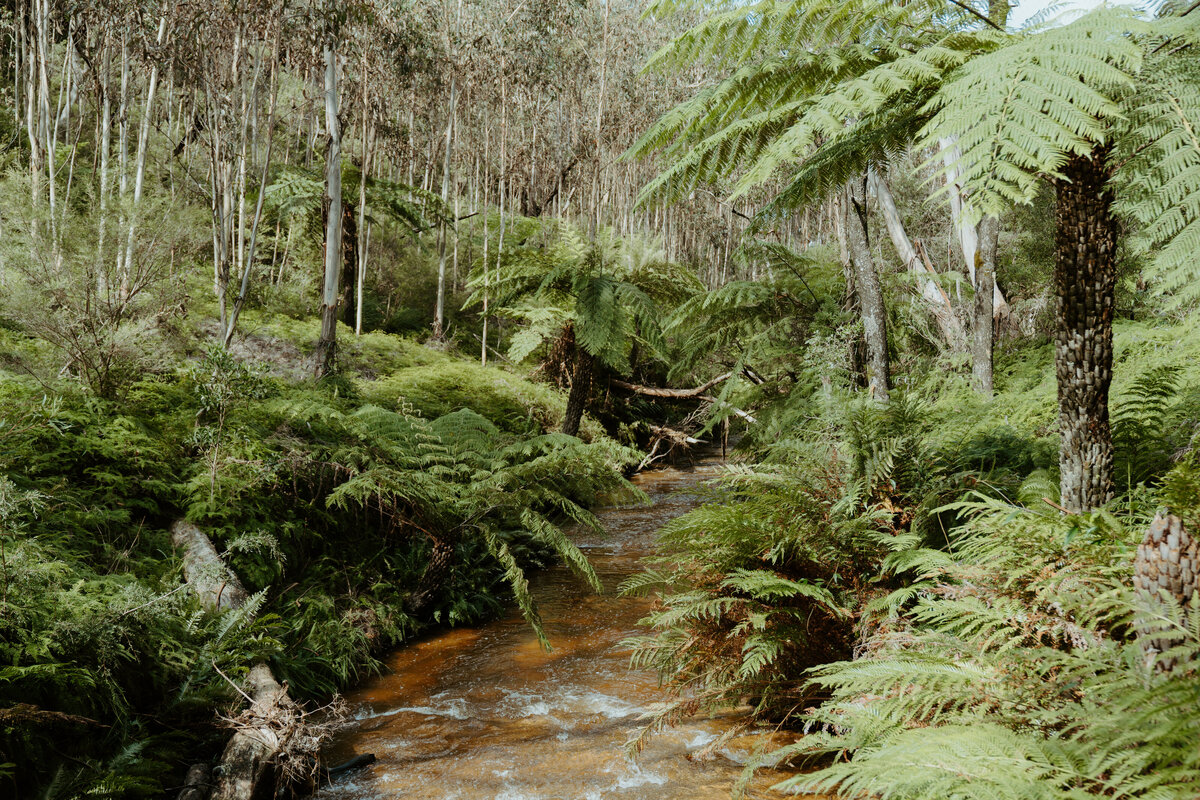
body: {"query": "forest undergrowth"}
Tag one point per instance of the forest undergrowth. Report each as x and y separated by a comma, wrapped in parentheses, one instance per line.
(898, 585)
(327, 499)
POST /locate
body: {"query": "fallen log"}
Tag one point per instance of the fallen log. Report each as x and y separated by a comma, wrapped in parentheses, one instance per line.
(671, 394)
(266, 734)
(204, 571)
(261, 731)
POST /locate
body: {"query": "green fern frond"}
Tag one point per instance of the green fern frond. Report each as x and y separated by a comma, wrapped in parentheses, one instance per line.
(1010, 116)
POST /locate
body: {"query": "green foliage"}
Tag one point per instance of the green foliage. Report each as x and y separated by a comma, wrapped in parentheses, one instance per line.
(1018, 674)
(831, 87)
(514, 404)
(1162, 175)
(1020, 112)
(610, 293)
(1139, 424)
(754, 587)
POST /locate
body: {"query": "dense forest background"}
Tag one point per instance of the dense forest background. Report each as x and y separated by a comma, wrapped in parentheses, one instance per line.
(322, 324)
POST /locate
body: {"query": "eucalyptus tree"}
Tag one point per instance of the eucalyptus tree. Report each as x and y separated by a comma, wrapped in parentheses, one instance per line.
(326, 344)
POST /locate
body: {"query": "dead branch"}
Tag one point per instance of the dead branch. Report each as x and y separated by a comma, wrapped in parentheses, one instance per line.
(673, 394)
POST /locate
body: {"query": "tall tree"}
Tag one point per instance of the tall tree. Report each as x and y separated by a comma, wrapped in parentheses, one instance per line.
(868, 290)
(327, 343)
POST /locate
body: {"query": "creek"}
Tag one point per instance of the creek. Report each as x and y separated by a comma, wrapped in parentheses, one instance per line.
(485, 712)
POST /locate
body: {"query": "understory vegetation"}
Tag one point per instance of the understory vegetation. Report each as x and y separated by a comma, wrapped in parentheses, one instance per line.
(380, 301)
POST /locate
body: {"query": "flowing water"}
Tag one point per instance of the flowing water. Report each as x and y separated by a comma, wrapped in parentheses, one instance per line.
(487, 713)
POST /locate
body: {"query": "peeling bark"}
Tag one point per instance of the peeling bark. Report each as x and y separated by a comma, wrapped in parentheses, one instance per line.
(327, 344)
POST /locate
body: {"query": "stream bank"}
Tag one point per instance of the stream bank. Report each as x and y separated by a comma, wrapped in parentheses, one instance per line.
(485, 712)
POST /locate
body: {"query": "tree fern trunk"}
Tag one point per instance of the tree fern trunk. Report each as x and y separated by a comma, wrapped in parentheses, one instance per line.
(870, 294)
(349, 301)
(581, 386)
(1084, 280)
(441, 561)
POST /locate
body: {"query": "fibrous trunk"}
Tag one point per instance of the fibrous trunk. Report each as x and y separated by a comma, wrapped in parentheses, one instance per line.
(870, 294)
(1084, 280)
(581, 385)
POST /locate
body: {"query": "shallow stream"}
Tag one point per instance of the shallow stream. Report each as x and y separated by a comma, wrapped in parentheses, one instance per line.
(487, 713)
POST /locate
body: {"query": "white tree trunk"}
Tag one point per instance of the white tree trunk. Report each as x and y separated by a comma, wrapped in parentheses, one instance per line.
(333, 223)
(939, 301)
(968, 235)
(440, 310)
(140, 165)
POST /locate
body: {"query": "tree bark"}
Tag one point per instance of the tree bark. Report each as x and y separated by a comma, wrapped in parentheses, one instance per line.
(581, 386)
(870, 294)
(968, 235)
(327, 344)
(1084, 282)
(439, 311)
(939, 302)
(983, 327)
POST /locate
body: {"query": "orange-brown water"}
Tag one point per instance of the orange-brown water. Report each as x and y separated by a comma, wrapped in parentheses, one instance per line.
(487, 713)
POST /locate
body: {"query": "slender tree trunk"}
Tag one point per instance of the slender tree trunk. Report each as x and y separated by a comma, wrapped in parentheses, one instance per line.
(362, 228)
(1084, 281)
(870, 294)
(262, 192)
(939, 302)
(581, 387)
(483, 340)
(983, 327)
(327, 344)
(140, 165)
(45, 131)
(439, 311)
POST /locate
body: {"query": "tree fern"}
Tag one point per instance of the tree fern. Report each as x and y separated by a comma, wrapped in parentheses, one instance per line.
(1019, 677)
(1020, 112)
(1161, 173)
